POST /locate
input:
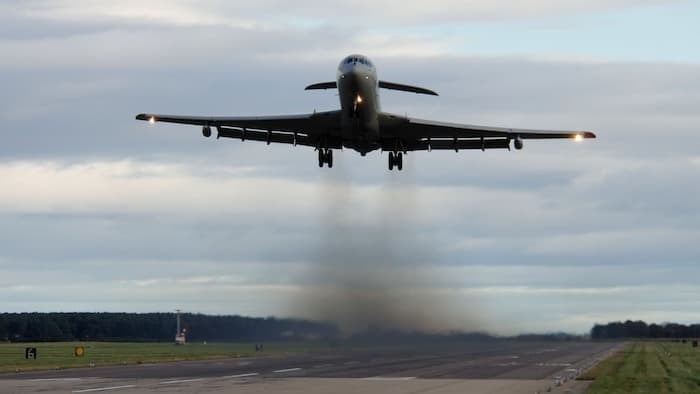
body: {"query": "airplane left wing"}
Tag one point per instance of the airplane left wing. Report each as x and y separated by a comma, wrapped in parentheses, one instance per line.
(306, 129)
(419, 134)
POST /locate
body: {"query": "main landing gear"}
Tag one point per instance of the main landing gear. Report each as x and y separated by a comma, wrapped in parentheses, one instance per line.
(325, 156)
(395, 160)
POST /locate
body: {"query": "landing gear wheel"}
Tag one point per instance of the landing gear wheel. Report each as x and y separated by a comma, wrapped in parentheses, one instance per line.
(321, 158)
(399, 161)
(206, 131)
(391, 161)
(329, 158)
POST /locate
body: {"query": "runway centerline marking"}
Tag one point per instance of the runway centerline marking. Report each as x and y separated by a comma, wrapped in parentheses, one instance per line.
(181, 381)
(243, 375)
(389, 378)
(105, 388)
(287, 370)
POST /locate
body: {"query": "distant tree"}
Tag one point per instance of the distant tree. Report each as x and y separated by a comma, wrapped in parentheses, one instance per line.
(656, 331)
(155, 327)
(640, 329)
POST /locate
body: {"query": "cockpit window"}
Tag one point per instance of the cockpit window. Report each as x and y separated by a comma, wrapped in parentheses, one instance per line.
(357, 59)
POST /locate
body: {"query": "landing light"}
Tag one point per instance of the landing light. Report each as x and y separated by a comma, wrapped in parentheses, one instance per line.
(578, 138)
(359, 99)
(152, 120)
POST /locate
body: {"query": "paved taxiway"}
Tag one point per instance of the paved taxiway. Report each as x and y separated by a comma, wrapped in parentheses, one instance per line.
(489, 367)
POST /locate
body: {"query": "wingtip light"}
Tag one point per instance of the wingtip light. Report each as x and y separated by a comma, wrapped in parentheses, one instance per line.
(578, 137)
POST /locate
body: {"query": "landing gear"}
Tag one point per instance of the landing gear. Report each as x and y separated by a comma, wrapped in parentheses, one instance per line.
(325, 156)
(395, 160)
(206, 131)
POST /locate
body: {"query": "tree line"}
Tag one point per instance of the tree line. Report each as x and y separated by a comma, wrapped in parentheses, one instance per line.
(640, 329)
(159, 327)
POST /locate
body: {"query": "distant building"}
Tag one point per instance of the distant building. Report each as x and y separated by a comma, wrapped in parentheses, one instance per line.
(179, 334)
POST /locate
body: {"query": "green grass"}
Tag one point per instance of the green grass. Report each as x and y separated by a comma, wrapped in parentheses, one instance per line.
(648, 367)
(55, 355)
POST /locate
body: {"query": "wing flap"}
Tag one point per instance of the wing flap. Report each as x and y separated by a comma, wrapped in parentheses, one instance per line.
(447, 144)
(277, 137)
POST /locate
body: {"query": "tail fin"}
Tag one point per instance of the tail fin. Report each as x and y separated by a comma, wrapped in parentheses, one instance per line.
(406, 88)
(322, 85)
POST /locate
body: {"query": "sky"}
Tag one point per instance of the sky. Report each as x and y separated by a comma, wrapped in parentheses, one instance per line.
(99, 212)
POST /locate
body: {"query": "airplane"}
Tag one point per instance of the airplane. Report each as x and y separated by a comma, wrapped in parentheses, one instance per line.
(360, 125)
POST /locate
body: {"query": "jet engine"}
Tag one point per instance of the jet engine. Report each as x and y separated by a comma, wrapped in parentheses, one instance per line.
(518, 143)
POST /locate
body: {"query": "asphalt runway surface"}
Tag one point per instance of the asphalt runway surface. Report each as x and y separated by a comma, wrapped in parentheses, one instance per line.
(492, 366)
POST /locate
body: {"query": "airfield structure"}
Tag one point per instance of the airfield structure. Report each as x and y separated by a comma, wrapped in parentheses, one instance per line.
(179, 333)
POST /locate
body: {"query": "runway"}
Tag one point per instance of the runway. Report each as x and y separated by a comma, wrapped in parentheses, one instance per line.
(489, 367)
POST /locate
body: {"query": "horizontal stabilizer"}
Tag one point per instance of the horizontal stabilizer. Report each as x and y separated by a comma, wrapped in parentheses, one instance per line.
(405, 88)
(322, 85)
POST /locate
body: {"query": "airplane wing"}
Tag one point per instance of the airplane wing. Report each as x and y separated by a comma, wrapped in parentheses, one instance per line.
(418, 134)
(306, 129)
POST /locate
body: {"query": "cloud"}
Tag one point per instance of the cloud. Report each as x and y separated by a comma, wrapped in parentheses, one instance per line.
(384, 12)
(115, 214)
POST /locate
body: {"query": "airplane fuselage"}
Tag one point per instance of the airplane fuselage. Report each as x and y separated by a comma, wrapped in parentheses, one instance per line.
(359, 102)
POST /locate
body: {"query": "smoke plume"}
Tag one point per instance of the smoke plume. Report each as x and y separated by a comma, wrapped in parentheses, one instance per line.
(372, 269)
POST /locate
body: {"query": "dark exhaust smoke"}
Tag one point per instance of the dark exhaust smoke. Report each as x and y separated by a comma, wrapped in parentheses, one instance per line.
(373, 267)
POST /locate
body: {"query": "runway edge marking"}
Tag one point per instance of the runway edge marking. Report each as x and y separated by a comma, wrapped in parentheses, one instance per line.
(181, 381)
(286, 370)
(128, 386)
(243, 375)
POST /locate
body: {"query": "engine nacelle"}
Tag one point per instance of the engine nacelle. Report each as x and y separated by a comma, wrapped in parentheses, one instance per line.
(518, 143)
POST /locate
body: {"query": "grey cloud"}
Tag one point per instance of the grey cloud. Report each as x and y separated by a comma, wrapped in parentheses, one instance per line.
(611, 219)
(363, 12)
(95, 109)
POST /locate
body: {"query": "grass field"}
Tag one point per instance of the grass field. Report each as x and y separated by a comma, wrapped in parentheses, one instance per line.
(648, 367)
(61, 354)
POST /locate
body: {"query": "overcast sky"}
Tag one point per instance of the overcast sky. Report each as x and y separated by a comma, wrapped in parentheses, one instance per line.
(99, 212)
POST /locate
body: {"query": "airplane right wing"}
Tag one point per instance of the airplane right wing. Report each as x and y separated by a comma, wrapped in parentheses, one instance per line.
(320, 128)
(405, 134)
